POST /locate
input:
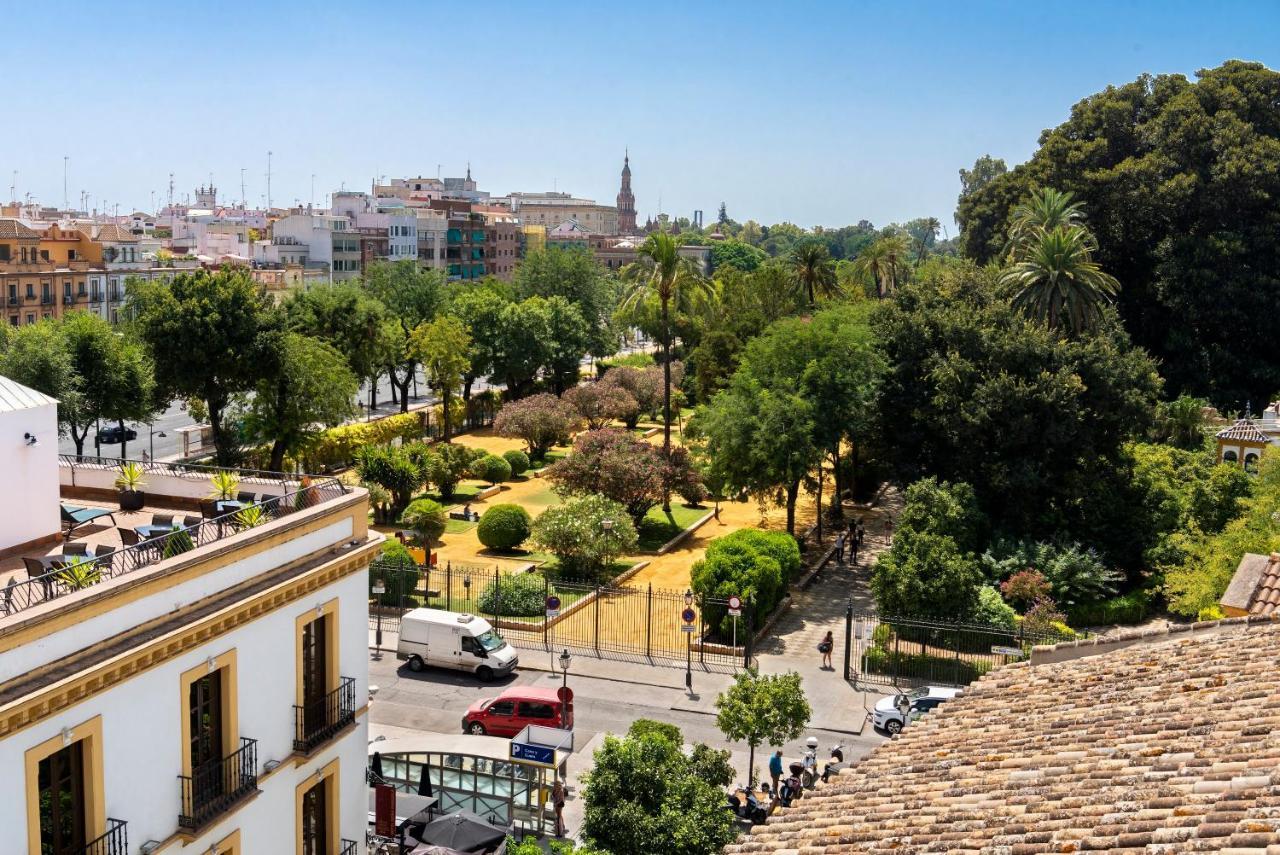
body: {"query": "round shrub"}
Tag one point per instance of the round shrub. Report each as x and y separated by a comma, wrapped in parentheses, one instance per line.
(992, 610)
(504, 527)
(515, 595)
(518, 459)
(492, 469)
(395, 551)
(427, 520)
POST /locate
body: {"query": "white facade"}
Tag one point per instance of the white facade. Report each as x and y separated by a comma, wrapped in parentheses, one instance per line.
(314, 231)
(28, 513)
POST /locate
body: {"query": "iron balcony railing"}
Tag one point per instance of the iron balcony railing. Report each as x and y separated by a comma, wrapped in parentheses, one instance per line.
(114, 842)
(317, 722)
(215, 787)
(348, 847)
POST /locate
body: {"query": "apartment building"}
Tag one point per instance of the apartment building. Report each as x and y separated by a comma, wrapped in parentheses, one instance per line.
(551, 209)
(196, 686)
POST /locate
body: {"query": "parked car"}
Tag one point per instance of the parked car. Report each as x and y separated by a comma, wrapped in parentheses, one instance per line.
(452, 640)
(114, 435)
(889, 718)
(514, 709)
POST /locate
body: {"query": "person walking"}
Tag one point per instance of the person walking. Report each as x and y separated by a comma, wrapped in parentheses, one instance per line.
(862, 532)
(825, 647)
(840, 538)
(557, 802)
(775, 768)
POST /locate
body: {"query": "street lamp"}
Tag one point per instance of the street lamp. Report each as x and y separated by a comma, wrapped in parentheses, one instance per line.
(379, 588)
(565, 659)
(151, 436)
(466, 586)
(688, 645)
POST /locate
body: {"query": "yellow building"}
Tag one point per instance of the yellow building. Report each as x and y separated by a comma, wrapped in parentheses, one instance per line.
(534, 238)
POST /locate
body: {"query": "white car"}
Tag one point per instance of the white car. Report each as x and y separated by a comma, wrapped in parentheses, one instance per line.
(889, 718)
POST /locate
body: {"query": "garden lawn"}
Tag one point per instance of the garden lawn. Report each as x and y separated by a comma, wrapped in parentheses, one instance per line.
(659, 526)
(463, 493)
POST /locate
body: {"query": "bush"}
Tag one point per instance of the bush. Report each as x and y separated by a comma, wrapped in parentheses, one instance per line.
(573, 532)
(492, 469)
(992, 610)
(515, 595)
(394, 550)
(1075, 575)
(540, 420)
(779, 545)
(391, 468)
(338, 446)
(1129, 608)
(743, 566)
(518, 459)
(447, 464)
(925, 575)
(427, 519)
(504, 527)
(1025, 587)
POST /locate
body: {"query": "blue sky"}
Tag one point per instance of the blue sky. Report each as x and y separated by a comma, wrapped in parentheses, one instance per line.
(816, 113)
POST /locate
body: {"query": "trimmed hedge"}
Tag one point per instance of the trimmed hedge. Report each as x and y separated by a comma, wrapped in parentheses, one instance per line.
(1129, 608)
(515, 595)
(338, 446)
(492, 469)
(504, 526)
(518, 460)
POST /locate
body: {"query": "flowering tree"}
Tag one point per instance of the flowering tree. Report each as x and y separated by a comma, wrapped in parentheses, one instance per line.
(643, 385)
(540, 420)
(601, 403)
(614, 464)
(577, 534)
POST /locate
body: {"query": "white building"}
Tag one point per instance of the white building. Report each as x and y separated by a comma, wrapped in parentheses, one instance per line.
(29, 448)
(208, 696)
(328, 238)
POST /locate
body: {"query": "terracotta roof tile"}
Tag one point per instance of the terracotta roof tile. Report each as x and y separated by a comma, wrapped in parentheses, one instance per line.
(1245, 430)
(1169, 744)
(11, 229)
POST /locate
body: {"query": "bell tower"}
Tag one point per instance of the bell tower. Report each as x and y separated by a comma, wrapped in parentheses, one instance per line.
(626, 201)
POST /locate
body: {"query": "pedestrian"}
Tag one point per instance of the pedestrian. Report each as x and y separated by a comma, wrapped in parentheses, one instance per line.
(862, 532)
(825, 647)
(557, 802)
(717, 510)
(146, 458)
(888, 530)
(775, 768)
(840, 548)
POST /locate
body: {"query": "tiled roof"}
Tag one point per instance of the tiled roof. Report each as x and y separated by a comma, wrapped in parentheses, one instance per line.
(11, 229)
(114, 233)
(1255, 587)
(14, 396)
(1244, 430)
(1167, 742)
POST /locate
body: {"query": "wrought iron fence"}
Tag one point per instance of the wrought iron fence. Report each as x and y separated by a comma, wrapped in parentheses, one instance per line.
(214, 787)
(319, 720)
(348, 847)
(114, 842)
(57, 581)
(617, 621)
(913, 651)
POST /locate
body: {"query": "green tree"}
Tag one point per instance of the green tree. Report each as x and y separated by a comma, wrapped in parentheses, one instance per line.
(567, 340)
(762, 709)
(445, 466)
(305, 386)
(347, 317)
(427, 520)
(37, 357)
(504, 526)
(412, 295)
(985, 170)
(521, 347)
(1181, 422)
(926, 575)
(814, 271)
(391, 468)
(441, 346)
(480, 310)
(204, 332)
(1054, 279)
(575, 532)
(576, 276)
(883, 263)
(737, 254)
(1045, 210)
(662, 273)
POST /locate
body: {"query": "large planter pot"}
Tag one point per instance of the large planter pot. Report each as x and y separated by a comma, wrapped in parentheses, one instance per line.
(132, 500)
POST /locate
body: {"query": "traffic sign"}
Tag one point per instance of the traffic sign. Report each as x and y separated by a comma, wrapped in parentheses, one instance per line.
(735, 606)
(553, 606)
(543, 755)
(1015, 652)
(687, 617)
(565, 694)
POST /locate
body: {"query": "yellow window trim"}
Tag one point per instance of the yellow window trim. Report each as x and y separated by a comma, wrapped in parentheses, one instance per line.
(90, 733)
(328, 612)
(327, 776)
(229, 845)
(230, 705)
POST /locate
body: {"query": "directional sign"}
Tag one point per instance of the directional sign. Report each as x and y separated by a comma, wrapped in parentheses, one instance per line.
(553, 606)
(1016, 652)
(687, 617)
(735, 606)
(543, 755)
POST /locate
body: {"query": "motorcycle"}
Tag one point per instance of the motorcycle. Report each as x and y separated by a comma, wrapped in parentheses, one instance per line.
(751, 809)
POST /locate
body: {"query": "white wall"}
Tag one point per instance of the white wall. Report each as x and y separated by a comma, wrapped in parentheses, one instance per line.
(142, 751)
(162, 483)
(28, 476)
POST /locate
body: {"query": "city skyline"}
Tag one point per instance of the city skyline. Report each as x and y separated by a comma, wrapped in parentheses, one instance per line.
(813, 114)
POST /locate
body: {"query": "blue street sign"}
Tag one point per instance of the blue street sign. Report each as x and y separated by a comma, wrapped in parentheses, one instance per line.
(533, 753)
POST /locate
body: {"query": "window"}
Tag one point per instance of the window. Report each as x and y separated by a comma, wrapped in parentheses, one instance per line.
(4, 252)
(31, 290)
(503, 708)
(1229, 457)
(529, 709)
(209, 731)
(315, 824)
(64, 791)
(1251, 462)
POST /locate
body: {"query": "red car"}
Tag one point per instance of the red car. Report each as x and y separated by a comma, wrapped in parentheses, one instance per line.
(518, 706)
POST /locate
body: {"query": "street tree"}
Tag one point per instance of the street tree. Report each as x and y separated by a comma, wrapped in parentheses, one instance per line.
(204, 333)
(768, 709)
(479, 308)
(442, 346)
(36, 356)
(412, 295)
(575, 275)
(349, 318)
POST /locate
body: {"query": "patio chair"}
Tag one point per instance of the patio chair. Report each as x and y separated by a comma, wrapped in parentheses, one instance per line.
(247, 498)
(80, 548)
(73, 517)
(106, 564)
(165, 520)
(6, 599)
(37, 571)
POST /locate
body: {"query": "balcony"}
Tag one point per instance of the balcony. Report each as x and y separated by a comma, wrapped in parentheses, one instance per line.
(114, 842)
(348, 847)
(319, 721)
(215, 787)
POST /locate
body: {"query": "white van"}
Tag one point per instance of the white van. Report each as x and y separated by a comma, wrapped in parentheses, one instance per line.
(453, 640)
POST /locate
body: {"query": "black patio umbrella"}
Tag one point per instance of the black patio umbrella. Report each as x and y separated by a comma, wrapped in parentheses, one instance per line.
(375, 768)
(428, 849)
(463, 831)
(424, 782)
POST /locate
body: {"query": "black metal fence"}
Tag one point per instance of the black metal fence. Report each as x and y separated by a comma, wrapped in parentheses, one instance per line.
(612, 621)
(911, 651)
(114, 842)
(214, 787)
(319, 720)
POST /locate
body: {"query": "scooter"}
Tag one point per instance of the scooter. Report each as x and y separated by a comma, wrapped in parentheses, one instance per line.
(837, 759)
(809, 768)
(751, 809)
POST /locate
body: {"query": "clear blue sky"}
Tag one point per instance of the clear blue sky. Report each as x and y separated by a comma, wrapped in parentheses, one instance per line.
(809, 112)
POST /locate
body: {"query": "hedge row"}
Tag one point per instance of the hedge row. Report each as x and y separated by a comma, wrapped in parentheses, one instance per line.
(337, 446)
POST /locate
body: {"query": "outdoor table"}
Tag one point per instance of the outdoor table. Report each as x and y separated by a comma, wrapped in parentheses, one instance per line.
(226, 506)
(53, 562)
(149, 532)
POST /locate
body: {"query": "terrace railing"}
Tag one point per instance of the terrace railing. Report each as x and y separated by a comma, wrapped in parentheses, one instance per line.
(114, 842)
(216, 786)
(19, 596)
(319, 720)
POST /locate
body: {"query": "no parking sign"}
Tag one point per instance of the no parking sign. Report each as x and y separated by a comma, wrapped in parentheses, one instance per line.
(735, 606)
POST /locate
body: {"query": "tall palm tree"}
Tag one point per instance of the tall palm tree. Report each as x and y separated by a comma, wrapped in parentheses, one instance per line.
(813, 269)
(882, 261)
(660, 272)
(1043, 211)
(1056, 279)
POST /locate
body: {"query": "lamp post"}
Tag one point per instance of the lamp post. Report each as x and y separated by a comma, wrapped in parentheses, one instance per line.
(379, 588)
(466, 586)
(565, 659)
(688, 646)
(151, 436)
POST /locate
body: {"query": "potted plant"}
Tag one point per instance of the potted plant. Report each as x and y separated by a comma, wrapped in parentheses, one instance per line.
(130, 482)
(225, 485)
(80, 573)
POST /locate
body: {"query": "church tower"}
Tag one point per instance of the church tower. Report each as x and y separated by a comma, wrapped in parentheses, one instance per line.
(626, 201)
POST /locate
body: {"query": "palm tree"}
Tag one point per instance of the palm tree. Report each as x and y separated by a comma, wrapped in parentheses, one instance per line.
(813, 269)
(1043, 211)
(881, 262)
(660, 272)
(1056, 279)
(1181, 422)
